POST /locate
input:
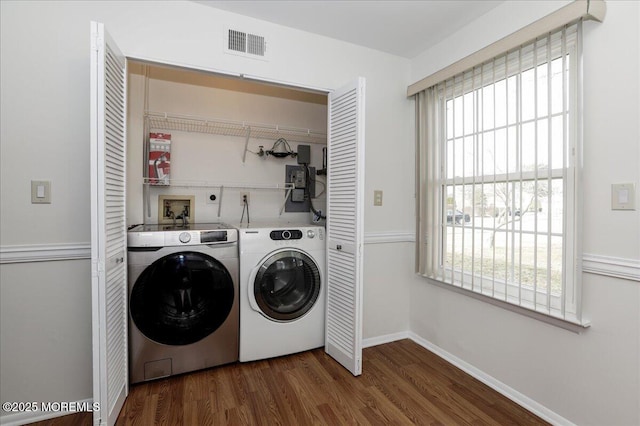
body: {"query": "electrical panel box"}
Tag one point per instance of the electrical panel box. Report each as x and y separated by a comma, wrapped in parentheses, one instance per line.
(299, 178)
(304, 154)
(304, 187)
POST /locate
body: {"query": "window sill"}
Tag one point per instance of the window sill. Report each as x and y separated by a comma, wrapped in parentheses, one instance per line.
(557, 322)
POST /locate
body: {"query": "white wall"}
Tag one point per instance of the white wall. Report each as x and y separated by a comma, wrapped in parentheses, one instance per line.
(593, 377)
(217, 159)
(45, 135)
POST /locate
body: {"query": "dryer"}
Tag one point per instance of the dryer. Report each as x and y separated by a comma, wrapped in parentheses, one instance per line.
(282, 290)
(183, 299)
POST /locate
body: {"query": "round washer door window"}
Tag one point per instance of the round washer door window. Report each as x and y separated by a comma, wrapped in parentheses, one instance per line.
(287, 285)
(182, 298)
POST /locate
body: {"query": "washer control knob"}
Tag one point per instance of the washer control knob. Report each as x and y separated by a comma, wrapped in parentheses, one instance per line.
(311, 233)
(286, 235)
(184, 237)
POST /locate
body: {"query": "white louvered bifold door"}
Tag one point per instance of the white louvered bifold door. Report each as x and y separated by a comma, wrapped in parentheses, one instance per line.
(345, 203)
(108, 229)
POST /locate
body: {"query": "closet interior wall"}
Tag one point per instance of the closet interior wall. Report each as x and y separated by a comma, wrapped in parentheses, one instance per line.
(202, 162)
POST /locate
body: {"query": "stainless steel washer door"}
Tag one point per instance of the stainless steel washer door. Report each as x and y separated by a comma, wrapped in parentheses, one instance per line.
(181, 298)
(287, 285)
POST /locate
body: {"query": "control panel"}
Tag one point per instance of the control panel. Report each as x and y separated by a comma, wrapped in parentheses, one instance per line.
(286, 234)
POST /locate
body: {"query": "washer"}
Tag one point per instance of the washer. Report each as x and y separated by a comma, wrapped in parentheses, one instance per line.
(282, 290)
(183, 299)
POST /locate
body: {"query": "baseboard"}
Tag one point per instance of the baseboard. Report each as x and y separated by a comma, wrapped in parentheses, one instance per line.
(26, 417)
(515, 396)
(387, 338)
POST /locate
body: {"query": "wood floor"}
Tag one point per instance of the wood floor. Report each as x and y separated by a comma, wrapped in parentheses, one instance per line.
(402, 383)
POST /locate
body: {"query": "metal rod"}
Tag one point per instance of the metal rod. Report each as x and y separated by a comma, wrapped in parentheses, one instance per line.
(246, 144)
(284, 203)
(549, 167)
(220, 200)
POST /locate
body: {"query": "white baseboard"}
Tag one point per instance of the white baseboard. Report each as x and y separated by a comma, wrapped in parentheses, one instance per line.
(38, 416)
(517, 397)
(387, 338)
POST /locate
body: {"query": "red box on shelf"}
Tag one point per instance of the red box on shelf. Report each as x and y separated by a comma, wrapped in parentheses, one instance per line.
(159, 158)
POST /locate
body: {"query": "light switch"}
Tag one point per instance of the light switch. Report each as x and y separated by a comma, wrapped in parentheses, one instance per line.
(623, 196)
(40, 192)
(377, 197)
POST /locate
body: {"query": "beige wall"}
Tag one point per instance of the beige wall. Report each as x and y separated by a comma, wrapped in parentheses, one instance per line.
(217, 159)
(45, 135)
(591, 378)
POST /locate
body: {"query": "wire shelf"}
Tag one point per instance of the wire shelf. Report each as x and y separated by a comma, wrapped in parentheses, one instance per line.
(185, 123)
(179, 183)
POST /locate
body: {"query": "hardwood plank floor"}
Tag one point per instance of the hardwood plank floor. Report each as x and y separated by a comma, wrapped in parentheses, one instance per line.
(402, 383)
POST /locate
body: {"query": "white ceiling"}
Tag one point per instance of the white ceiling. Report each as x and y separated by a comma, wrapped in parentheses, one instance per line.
(403, 28)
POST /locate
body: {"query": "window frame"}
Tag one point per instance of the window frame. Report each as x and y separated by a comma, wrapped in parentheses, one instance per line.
(565, 306)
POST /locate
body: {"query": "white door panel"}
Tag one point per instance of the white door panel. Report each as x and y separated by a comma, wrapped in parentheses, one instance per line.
(108, 228)
(345, 203)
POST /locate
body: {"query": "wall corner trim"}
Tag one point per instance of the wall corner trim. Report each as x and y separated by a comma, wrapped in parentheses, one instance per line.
(44, 252)
(387, 338)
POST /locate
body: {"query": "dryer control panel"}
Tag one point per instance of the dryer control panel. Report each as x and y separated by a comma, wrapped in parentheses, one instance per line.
(286, 234)
(161, 236)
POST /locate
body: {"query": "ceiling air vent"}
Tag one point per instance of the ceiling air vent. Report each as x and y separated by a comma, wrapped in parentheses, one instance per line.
(237, 41)
(245, 44)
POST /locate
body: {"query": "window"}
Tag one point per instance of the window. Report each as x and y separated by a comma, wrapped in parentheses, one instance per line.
(499, 160)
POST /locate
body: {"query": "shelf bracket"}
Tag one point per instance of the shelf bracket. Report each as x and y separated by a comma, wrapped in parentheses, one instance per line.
(147, 198)
(286, 197)
(220, 200)
(246, 144)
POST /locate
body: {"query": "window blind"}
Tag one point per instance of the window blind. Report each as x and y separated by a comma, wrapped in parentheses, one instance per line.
(498, 165)
(578, 9)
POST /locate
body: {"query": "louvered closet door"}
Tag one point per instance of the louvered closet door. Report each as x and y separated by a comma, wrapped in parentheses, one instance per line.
(108, 229)
(345, 203)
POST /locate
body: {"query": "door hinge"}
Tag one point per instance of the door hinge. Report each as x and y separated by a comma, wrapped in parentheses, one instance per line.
(97, 267)
(96, 42)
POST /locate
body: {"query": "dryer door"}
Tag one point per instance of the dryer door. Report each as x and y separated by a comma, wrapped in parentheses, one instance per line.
(287, 285)
(182, 298)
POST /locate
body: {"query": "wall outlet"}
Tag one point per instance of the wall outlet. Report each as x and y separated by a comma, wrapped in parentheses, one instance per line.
(244, 194)
(377, 197)
(623, 196)
(40, 192)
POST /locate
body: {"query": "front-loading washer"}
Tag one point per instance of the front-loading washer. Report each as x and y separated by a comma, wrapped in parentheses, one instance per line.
(282, 290)
(183, 299)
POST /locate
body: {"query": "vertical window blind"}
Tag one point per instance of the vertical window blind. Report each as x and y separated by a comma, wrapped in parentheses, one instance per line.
(499, 177)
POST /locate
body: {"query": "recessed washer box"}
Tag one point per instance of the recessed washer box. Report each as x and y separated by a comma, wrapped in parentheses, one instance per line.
(172, 206)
